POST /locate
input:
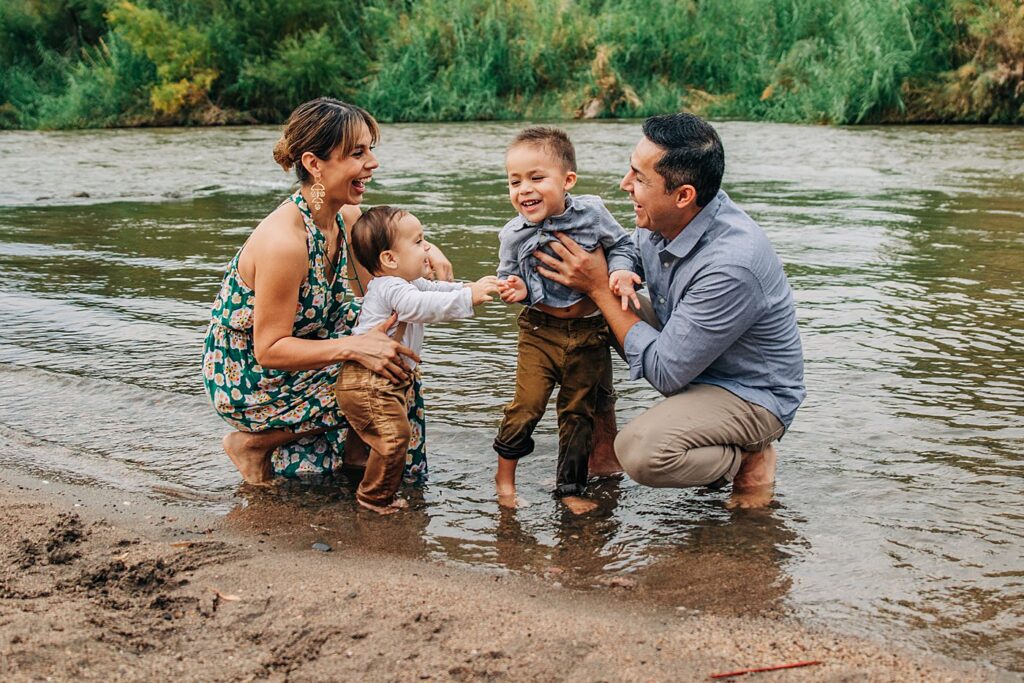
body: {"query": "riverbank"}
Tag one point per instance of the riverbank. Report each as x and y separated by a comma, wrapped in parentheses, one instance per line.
(105, 586)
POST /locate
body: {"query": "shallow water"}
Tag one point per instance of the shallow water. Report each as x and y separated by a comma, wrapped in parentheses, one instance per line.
(899, 509)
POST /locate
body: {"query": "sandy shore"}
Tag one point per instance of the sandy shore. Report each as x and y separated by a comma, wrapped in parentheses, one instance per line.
(93, 589)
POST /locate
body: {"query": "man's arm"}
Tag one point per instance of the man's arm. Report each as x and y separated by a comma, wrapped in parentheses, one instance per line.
(716, 310)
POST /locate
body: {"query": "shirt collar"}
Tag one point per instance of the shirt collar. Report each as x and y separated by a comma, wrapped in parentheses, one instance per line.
(686, 240)
(527, 224)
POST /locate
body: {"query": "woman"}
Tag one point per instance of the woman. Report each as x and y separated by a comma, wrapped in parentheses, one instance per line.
(272, 360)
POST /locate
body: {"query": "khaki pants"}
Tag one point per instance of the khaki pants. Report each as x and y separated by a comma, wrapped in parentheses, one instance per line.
(378, 411)
(694, 438)
(574, 354)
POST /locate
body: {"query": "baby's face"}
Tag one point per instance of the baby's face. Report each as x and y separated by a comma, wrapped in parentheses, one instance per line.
(537, 182)
(410, 249)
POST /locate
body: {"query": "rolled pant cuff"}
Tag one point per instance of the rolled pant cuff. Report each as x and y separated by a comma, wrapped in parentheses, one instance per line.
(508, 452)
(563, 490)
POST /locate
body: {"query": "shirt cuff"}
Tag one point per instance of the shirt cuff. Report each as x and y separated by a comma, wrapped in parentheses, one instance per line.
(639, 337)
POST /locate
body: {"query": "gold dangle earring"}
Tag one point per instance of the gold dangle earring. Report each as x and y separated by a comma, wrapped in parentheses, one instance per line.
(317, 193)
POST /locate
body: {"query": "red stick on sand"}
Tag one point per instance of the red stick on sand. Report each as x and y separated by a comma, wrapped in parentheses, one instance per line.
(743, 672)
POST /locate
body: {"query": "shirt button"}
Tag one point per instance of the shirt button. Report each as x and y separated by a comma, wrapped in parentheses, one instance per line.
(664, 264)
(661, 299)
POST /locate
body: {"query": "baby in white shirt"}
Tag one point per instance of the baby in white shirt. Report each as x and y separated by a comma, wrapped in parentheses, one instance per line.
(389, 243)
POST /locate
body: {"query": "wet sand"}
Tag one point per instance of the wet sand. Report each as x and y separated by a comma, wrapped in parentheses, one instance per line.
(92, 588)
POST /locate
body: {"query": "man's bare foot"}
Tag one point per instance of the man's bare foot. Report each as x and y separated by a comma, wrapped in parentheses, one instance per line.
(602, 462)
(754, 484)
(389, 509)
(579, 506)
(250, 455)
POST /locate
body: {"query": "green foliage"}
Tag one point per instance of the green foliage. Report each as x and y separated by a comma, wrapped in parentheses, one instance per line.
(73, 63)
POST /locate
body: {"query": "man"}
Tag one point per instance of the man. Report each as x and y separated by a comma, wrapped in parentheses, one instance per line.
(721, 343)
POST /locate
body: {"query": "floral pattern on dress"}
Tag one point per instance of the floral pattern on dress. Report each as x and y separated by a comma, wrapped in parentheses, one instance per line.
(252, 398)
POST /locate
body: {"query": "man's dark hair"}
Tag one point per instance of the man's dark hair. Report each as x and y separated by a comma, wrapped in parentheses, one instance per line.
(553, 140)
(374, 233)
(693, 153)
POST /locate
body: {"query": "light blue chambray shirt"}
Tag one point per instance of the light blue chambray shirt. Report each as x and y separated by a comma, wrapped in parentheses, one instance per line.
(587, 221)
(727, 309)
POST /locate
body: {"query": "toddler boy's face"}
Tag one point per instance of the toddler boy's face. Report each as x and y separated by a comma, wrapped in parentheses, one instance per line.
(409, 251)
(537, 182)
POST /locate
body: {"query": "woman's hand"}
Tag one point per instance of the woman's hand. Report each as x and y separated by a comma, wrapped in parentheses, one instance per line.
(380, 354)
(439, 264)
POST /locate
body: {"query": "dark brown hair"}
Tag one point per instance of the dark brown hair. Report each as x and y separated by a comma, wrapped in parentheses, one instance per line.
(553, 140)
(319, 126)
(374, 233)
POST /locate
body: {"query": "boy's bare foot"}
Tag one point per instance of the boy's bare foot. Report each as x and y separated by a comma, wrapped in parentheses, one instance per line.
(505, 483)
(579, 506)
(603, 462)
(389, 509)
(249, 454)
(754, 484)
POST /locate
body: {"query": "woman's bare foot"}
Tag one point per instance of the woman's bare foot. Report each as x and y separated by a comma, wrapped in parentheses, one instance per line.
(754, 484)
(389, 509)
(251, 456)
(579, 506)
(603, 462)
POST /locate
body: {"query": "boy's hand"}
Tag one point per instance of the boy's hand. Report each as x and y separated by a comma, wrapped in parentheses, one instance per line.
(483, 288)
(513, 289)
(621, 283)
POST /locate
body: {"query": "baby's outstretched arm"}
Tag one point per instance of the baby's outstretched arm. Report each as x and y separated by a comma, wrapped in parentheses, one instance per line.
(483, 288)
(512, 289)
(621, 283)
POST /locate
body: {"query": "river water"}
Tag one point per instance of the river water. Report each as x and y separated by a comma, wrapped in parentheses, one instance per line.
(899, 513)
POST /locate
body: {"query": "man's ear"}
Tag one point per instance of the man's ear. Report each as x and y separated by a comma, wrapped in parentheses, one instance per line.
(388, 260)
(570, 180)
(685, 196)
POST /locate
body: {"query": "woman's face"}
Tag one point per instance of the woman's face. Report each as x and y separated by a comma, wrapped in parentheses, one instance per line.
(345, 176)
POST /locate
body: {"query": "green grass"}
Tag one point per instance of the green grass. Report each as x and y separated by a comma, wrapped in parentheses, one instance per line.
(88, 63)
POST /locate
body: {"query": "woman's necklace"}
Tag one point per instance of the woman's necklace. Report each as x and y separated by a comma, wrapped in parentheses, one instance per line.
(330, 247)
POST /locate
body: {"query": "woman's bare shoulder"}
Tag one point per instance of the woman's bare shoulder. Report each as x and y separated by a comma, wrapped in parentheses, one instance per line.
(282, 230)
(350, 213)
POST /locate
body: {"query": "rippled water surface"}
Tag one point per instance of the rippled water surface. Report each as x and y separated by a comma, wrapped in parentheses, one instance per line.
(899, 509)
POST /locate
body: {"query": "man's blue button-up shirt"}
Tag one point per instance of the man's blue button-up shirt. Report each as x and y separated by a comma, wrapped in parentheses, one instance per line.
(727, 312)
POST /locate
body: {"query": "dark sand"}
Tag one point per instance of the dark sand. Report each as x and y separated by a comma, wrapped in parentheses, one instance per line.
(93, 589)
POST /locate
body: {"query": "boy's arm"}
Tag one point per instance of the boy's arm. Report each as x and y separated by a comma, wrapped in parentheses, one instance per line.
(618, 244)
(508, 261)
(414, 305)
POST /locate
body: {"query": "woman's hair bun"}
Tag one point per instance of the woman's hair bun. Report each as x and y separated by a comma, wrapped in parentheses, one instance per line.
(283, 154)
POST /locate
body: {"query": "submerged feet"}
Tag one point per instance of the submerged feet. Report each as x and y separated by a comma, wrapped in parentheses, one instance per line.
(391, 508)
(251, 456)
(754, 484)
(579, 506)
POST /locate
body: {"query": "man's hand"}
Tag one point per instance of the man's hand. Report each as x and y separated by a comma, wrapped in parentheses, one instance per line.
(575, 267)
(621, 283)
(512, 289)
(483, 288)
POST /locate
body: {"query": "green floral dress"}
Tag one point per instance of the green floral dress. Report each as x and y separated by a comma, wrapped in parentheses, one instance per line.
(252, 398)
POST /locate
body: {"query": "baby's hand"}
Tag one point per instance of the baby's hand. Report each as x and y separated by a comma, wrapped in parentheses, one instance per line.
(513, 289)
(621, 283)
(483, 288)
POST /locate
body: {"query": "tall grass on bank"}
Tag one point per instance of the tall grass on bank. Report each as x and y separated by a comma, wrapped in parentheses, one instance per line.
(78, 63)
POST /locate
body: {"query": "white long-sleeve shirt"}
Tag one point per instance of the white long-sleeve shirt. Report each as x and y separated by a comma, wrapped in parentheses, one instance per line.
(417, 302)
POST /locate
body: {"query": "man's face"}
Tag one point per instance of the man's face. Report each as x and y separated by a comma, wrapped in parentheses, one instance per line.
(655, 209)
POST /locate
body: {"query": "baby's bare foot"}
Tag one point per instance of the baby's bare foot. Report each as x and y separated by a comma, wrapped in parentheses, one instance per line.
(389, 509)
(579, 506)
